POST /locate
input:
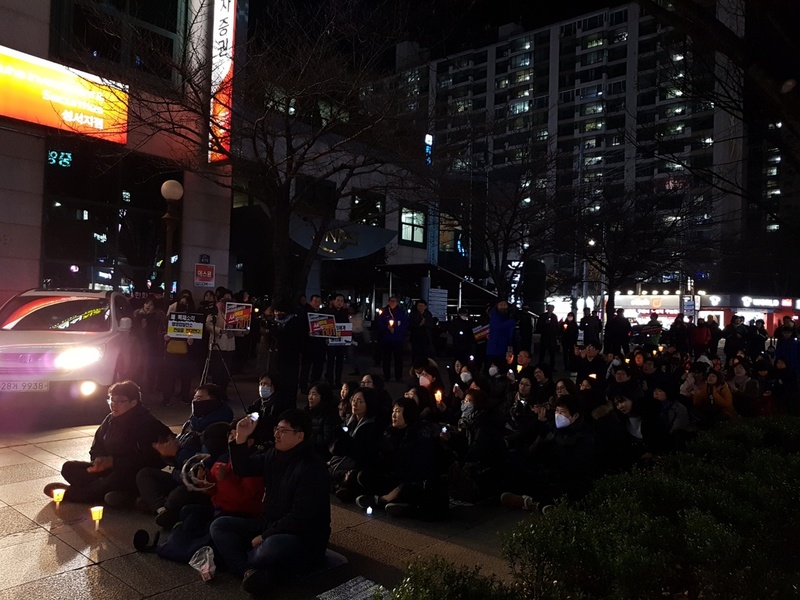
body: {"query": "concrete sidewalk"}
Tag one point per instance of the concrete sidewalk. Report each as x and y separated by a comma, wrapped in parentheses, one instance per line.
(57, 553)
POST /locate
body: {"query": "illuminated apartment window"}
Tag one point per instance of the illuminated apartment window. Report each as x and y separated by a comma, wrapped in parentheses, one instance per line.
(592, 125)
(592, 108)
(523, 76)
(592, 160)
(412, 227)
(516, 108)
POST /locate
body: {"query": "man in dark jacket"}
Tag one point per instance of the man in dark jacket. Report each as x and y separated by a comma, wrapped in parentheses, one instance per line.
(420, 327)
(548, 329)
(392, 324)
(295, 525)
(122, 446)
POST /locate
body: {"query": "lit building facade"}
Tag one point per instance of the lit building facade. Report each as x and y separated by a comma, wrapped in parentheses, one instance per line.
(80, 202)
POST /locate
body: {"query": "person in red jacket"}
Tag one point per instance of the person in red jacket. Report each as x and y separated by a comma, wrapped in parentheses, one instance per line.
(700, 337)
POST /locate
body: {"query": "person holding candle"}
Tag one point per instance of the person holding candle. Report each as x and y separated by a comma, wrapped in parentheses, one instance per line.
(122, 446)
(392, 324)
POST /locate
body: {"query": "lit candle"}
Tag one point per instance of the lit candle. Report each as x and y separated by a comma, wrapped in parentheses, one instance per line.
(369, 511)
(519, 368)
(58, 496)
(627, 360)
(592, 376)
(438, 396)
(655, 352)
(391, 322)
(661, 348)
(97, 514)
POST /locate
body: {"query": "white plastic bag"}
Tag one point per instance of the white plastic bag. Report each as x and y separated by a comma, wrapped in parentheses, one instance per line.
(203, 562)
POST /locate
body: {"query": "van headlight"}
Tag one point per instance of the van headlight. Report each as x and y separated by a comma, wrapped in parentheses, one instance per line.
(79, 357)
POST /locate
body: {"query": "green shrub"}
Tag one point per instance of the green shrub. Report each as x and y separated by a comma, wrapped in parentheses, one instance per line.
(436, 579)
(718, 520)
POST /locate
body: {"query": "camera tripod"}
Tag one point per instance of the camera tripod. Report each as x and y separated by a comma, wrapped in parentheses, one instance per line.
(213, 345)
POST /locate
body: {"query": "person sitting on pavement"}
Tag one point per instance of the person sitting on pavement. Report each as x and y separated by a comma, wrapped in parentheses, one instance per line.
(428, 411)
(324, 418)
(562, 461)
(209, 406)
(269, 406)
(403, 482)
(122, 446)
(356, 446)
(295, 525)
(479, 448)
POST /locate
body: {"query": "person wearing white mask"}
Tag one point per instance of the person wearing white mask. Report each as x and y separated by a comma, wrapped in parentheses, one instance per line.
(561, 463)
(477, 440)
(269, 406)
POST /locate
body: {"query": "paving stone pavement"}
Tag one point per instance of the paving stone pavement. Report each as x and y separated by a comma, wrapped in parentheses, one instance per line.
(56, 552)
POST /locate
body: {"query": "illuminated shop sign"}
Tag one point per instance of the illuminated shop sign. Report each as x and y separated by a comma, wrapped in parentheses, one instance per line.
(46, 93)
(747, 302)
(223, 37)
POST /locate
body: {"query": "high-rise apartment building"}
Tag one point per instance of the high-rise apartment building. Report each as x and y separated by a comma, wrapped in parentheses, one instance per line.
(609, 104)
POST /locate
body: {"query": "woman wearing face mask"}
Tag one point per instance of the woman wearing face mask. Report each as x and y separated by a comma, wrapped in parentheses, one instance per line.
(480, 448)
(268, 406)
(561, 463)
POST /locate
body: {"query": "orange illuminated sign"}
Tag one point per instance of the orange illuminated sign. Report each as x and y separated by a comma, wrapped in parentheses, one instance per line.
(223, 37)
(43, 92)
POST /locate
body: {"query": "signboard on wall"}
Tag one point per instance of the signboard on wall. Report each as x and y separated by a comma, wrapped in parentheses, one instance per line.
(223, 38)
(52, 95)
(204, 275)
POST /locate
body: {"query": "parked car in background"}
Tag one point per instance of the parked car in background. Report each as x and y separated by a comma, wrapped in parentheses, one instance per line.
(65, 344)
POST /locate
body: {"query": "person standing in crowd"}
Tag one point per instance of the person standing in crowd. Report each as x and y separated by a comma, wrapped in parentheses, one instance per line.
(618, 331)
(716, 335)
(463, 337)
(421, 331)
(679, 334)
(501, 334)
(735, 336)
(149, 326)
(336, 353)
(392, 324)
(312, 348)
(569, 339)
(757, 337)
(525, 325)
(548, 329)
(591, 326)
(178, 362)
(291, 333)
(700, 338)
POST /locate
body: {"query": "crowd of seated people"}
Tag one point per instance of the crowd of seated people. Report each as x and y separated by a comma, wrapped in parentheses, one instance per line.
(513, 433)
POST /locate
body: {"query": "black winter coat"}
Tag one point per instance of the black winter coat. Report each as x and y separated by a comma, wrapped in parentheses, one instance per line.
(296, 492)
(129, 438)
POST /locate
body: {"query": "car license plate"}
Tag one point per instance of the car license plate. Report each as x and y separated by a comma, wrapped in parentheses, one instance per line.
(24, 386)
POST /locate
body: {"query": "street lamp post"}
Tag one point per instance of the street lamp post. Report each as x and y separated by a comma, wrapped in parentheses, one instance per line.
(172, 191)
